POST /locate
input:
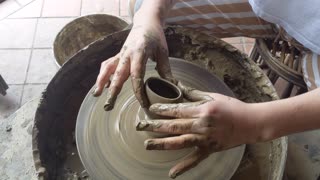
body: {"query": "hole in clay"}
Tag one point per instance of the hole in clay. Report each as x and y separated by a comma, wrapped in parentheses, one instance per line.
(163, 89)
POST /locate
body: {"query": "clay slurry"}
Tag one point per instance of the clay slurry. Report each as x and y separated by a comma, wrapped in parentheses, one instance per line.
(163, 89)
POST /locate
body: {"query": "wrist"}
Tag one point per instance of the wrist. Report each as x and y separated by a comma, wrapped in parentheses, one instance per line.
(264, 128)
(141, 18)
(156, 10)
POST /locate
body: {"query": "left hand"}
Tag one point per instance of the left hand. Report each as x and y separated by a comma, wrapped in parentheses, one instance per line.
(145, 40)
(209, 125)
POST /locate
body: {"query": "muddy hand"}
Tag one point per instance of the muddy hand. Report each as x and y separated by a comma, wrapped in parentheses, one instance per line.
(208, 125)
(145, 40)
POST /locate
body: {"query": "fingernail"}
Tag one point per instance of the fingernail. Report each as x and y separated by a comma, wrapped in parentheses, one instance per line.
(208, 98)
(173, 175)
(108, 105)
(149, 144)
(158, 108)
(142, 125)
(94, 92)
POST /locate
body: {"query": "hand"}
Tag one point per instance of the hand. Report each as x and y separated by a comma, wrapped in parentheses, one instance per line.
(146, 40)
(209, 125)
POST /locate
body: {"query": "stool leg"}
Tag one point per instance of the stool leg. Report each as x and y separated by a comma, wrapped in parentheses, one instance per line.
(254, 55)
(287, 91)
(263, 64)
(273, 77)
(3, 86)
(268, 72)
(301, 91)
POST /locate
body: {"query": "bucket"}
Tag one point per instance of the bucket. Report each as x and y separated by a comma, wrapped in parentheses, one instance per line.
(81, 32)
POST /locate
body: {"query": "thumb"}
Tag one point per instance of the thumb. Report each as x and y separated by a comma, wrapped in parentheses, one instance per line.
(163, 66)
(193, 94)
(180, 110)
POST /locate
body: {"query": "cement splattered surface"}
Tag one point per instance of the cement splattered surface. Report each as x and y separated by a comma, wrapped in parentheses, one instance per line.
(16, 159)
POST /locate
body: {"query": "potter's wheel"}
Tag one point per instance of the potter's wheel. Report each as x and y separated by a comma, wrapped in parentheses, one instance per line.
(110, 147)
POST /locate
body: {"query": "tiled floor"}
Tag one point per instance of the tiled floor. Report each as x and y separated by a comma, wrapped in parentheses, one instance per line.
(27, 31)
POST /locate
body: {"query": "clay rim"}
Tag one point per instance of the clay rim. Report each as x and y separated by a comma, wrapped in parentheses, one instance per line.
(60, 62)
(168, 84)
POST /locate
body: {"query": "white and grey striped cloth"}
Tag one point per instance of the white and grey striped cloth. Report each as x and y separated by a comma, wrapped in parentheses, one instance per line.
(254, 18)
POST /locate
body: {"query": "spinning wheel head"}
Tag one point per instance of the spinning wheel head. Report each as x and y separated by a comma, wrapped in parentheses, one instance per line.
(110, 147)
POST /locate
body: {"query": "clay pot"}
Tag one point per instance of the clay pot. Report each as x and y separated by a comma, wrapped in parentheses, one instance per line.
(159, 90)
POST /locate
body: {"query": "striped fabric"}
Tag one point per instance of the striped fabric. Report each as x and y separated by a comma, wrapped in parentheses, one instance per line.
(230, 18)
(311, 70)
(221, 18)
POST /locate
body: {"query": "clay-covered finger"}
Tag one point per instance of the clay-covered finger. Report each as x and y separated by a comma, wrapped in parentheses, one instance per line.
(120, 76)
(137, 72)
(175, 142)
(163, 67)
(107, 68)
(188, 163)
(180, 110)
(193, 94)
(176, 126)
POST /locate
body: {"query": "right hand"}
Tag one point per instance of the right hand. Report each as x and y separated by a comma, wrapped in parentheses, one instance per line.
(213, 123)
(146, 40)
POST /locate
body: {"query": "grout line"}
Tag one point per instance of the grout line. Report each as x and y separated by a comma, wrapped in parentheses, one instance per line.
(54, 17)
(22, 89)
(41, 11)
(30, 57)
(21, 5)
(25, 48)
(119, 8)
(28, 84)
(42, 48)
(81, 1)
(31, 53)
(16, 10)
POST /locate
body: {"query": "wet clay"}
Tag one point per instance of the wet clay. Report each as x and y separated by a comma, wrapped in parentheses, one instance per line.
(246, 80)
(110, 147)
(56, 115)
(159, 90)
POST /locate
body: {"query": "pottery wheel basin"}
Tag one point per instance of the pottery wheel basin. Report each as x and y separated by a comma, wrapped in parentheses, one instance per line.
(54, 146)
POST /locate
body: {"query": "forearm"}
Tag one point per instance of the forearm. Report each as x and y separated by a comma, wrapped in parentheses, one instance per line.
(154, 9)
(292, 115)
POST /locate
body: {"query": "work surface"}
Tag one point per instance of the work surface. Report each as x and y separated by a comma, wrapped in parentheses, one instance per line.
(16, 159)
